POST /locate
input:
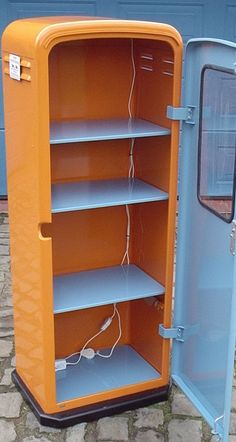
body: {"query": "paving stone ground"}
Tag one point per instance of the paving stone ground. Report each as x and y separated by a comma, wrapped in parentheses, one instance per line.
(173, 421)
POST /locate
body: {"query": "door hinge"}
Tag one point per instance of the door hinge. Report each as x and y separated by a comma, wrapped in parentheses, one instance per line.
(185, 114)
(176, 333)
(233, 238)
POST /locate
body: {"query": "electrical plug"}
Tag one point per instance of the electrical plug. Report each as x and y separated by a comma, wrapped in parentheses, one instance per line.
(60, 364)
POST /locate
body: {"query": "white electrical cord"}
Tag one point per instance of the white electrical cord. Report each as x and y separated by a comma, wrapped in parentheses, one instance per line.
(131, 159)
(131, 176)
(126, 254)
(131, 168)
(133, 79)
(104, 326)
(81, 351)
(119, 336)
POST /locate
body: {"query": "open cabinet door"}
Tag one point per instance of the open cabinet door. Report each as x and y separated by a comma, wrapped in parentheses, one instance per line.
(205, 298)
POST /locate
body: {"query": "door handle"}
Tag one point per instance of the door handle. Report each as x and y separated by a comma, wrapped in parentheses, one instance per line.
(233, 238)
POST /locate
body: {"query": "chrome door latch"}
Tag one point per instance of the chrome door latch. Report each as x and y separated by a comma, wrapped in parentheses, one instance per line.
(233, 238)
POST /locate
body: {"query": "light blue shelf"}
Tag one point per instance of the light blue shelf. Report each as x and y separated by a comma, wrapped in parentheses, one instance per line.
(94, 130)
(103, 193)
(93, 288)
(125, 367)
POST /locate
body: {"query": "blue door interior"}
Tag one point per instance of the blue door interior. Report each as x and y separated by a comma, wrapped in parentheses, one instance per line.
(203, 354)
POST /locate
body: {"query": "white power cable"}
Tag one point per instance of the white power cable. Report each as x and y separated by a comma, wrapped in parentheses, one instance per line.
(119, 336)
(131, 168)
(104, 326)
(131, 159)
(126, 254)
(133, 79)
(81, 351)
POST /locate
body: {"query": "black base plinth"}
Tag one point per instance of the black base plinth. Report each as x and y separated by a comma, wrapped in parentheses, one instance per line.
(90, 412)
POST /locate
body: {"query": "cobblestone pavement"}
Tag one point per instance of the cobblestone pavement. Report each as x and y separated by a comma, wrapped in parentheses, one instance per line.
(173, 421)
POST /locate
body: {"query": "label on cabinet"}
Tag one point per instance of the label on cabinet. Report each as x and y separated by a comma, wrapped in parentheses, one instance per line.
(14, 66)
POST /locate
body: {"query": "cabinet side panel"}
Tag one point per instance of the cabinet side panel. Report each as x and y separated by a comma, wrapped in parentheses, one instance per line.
(149, 238)
(152, 161)
(27, 249)
(145, 315)
(155, 75)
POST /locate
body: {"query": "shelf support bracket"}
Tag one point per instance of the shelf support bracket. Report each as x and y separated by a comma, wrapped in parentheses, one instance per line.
(185, 114)
(176, 333)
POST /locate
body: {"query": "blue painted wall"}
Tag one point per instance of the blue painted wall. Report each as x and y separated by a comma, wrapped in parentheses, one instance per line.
(198, 18)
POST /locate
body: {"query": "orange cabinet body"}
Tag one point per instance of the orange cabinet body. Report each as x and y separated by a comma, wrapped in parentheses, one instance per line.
(92, 173)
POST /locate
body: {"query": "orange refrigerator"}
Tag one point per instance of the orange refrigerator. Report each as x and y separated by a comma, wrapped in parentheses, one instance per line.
(92, 179)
